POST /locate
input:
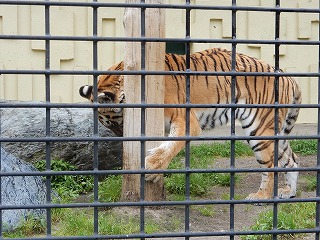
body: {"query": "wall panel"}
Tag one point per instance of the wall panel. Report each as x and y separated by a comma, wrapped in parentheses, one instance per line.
(78, 55)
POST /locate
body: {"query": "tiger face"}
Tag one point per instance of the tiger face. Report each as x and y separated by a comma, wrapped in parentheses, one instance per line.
(110, 90)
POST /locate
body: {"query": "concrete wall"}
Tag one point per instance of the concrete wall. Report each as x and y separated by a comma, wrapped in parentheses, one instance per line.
(77, 55)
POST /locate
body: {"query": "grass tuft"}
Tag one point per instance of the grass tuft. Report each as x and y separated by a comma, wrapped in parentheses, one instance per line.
(110, 189)
(67, 186)
(290, 216)
(219, 149)
(30, 227)
(202, 157)
(304, 147)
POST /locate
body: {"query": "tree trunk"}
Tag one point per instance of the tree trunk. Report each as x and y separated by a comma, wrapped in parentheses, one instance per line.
(155, 54)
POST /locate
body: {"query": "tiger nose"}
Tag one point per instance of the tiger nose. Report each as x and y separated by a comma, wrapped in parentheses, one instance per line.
(106, 97)
(102, 98)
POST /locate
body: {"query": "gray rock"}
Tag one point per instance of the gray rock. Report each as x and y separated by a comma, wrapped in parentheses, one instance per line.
(64, 122)
(20, 191)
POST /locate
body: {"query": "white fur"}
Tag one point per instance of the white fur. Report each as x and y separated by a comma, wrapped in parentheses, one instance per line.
(85, 90)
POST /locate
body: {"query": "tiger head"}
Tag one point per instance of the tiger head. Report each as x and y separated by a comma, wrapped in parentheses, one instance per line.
(110, 90)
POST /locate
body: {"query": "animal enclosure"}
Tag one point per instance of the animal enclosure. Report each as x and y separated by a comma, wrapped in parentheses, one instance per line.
(51, 48)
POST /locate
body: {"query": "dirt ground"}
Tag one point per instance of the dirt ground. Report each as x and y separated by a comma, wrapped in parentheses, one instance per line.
(244, 214)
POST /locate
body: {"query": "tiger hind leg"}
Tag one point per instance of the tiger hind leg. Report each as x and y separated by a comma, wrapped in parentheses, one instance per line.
(264, 151)
(288, 159)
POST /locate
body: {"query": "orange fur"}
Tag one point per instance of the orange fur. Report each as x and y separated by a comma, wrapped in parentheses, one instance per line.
(216, 90)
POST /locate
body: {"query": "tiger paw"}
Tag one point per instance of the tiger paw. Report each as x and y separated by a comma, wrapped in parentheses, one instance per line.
(153, 163)
(257, 196)
(153, 177)
(286, 192)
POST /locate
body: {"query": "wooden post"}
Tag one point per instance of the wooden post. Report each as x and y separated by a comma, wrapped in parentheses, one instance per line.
(155, 56)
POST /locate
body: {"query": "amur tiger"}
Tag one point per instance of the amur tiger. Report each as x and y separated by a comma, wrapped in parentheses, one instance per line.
(216, 90)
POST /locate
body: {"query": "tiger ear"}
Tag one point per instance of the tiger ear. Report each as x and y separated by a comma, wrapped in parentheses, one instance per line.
(86, 91)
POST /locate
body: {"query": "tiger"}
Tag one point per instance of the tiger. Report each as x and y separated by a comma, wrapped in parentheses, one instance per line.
(216, 89)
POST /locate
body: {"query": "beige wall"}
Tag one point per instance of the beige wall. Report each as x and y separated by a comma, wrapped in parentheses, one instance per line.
(77, 21)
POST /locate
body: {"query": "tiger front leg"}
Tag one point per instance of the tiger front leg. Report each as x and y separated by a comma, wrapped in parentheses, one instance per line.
(266, 188)
(160, 157)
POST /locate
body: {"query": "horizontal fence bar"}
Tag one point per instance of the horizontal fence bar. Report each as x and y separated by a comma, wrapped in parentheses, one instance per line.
(18, 104)
(143, 72)
(163, 6)
(151, 138)
(149, 39)
(166, 171)
(161, 203)
(181, 234)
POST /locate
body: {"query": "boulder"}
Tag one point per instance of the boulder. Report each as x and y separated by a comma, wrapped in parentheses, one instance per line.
(64, 122)
(20, 191)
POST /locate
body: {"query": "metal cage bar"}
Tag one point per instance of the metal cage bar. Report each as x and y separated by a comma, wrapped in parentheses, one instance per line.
(233, 116)
(317, 220)
(143, 117)
(276, 118)
(187, 144)
(48, 116)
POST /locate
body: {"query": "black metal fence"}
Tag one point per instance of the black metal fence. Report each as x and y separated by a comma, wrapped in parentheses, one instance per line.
(231, 203)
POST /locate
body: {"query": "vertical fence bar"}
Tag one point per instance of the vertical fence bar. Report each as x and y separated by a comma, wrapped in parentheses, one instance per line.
(317, 220)
(48, 99)
(233, 100)
(276, 116)
(1, 222)
(143, 117)
(95, 119)
(187, 144)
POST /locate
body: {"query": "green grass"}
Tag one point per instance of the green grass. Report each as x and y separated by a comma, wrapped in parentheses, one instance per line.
(304, 147)
(74, 222)
(67, 186)
(30, 227)
(202, 157)
(290, 216)
(80, 222)
(206, 210)
(216, 150)
(110, 189)
(311, 183)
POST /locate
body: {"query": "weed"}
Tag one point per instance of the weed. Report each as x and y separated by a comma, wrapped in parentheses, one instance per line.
(304, 147)
(219, 149)
(67, 185)
(110, 189)
(202, 157)
(226, 196)
(290, 216)
(30, 227)
(79, 222)
(207, 210)
(311, 183)
(200, 183)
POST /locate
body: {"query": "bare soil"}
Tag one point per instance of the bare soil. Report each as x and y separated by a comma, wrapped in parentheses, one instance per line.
(244, 215)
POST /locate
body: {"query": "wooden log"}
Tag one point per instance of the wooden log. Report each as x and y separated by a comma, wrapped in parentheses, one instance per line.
(155, 54)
